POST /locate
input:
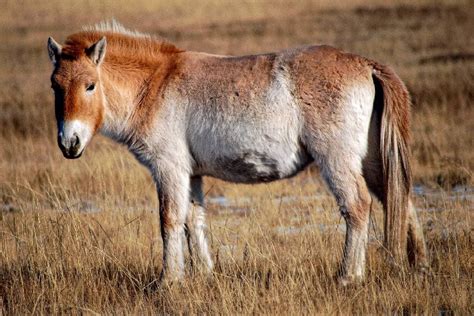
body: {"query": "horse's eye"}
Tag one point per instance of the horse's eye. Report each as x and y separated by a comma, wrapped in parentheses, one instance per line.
(90, 87)
(54, 85)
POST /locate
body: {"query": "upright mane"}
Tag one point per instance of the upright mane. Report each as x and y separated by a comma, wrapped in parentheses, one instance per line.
(115, 27)
(121, 43)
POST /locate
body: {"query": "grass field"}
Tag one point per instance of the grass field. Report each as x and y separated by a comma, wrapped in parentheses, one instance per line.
(82, 236)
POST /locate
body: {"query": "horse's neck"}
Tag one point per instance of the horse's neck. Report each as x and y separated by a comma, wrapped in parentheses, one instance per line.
(128, 89)
(120, 89)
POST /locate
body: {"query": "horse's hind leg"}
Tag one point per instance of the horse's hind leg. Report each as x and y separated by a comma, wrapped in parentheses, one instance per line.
(195, 227)
(416, 247)
(350, 189)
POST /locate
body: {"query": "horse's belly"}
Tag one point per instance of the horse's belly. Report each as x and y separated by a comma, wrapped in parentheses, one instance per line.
(254, 165)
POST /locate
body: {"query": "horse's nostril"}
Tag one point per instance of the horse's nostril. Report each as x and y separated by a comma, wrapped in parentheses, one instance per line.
(76, 142)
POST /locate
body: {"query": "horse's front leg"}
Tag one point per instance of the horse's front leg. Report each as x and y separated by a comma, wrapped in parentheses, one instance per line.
(195, 227)
(173, 195)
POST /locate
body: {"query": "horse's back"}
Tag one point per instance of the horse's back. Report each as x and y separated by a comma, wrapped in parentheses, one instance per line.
(316, 77)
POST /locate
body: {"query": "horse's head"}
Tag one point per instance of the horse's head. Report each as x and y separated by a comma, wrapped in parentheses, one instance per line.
(79, 99)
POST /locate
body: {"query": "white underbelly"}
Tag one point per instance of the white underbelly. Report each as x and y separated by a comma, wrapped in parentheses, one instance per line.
(249, 154)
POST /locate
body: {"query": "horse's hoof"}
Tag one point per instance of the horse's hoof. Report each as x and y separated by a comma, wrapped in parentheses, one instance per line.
(152, 287)
(423, 270)
(165, 281)
(345, 281)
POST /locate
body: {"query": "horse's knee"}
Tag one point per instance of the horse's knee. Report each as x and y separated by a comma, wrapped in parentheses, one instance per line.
(356, 213)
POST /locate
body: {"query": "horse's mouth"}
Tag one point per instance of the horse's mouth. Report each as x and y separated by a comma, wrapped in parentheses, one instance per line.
(72, 155)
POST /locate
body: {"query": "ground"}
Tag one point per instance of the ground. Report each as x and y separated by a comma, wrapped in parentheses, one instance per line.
(83, 235)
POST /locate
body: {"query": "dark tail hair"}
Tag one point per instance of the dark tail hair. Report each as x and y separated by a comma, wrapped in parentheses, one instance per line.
(395, 156)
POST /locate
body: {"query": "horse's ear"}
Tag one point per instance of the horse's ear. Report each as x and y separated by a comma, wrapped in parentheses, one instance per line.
(97, 51)
(54, 50)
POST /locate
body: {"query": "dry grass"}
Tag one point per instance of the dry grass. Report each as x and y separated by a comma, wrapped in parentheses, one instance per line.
(81, 236)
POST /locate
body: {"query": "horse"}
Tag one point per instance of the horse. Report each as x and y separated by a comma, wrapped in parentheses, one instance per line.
(243, 119)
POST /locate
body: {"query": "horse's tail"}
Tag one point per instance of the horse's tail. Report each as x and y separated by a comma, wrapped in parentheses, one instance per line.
(395, 157)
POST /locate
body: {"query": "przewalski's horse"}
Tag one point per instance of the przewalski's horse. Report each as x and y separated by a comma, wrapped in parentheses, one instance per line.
(246, 119)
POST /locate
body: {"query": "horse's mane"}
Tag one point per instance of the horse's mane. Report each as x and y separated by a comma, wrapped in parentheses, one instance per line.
(115, 27)
(121, 42)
